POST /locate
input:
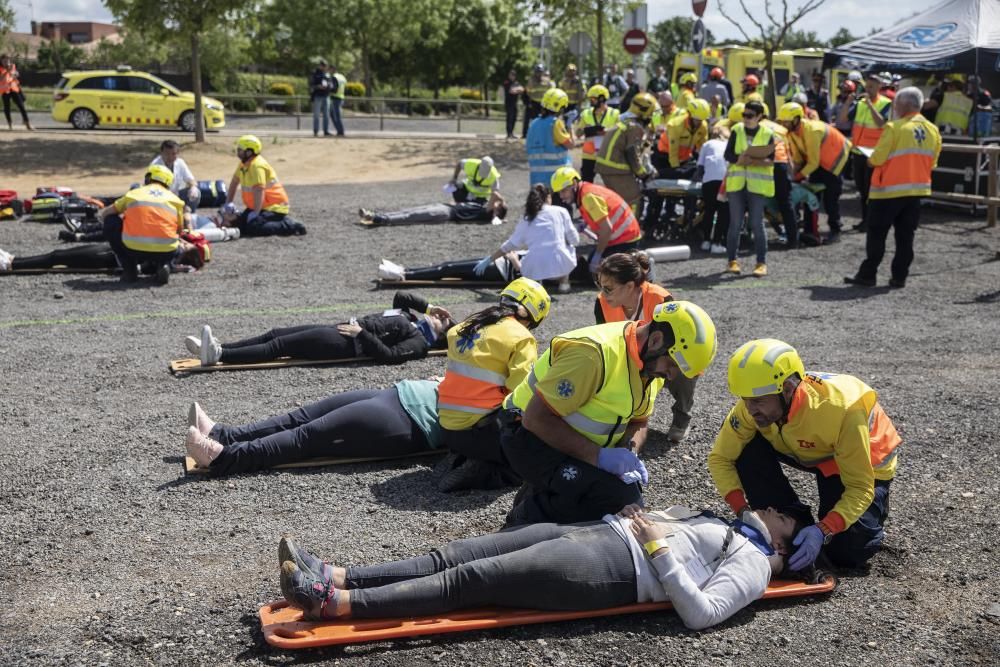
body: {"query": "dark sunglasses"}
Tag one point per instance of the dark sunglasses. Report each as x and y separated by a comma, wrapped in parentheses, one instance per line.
(749, 114)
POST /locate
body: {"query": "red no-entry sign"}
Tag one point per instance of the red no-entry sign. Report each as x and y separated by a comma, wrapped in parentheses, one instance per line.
(635, 41)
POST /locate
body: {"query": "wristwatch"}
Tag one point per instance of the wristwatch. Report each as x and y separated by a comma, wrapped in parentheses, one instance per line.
(653, 546)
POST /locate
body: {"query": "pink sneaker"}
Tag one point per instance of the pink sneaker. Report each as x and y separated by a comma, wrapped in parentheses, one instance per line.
(201, 448)
(198, 419)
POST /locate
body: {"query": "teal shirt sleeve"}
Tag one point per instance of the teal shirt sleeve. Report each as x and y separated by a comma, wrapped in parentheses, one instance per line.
(419, 400)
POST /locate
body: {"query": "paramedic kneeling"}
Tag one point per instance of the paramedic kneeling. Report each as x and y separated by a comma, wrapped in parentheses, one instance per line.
(572, 433)
(828, 424)
(145, 224)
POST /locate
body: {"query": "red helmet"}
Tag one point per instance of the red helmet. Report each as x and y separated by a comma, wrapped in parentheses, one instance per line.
(751, 80)
(849, 86)
(716, 73)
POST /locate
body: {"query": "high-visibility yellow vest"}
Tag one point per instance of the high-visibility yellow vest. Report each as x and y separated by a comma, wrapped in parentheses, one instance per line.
(479, 189)
(588, 119)
(954, 110)
(622, 395)
(865, 132)
(151, 219)
(341, 85)
(759, 180)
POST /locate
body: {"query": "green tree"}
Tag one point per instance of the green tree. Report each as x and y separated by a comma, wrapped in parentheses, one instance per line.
(671, 37)
(59, 55)
(598, 12)
(841, 37)
(6, 21)
(181, 21)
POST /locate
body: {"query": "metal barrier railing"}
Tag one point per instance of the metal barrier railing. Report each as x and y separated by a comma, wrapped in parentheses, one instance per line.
(990, 200)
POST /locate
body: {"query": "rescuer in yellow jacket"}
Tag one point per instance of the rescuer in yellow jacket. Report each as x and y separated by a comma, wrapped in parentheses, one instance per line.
(489, 354)
(265, 201)
(904, 158)
(145, 225)
(827, 424)
(573, 426)
(867, 116)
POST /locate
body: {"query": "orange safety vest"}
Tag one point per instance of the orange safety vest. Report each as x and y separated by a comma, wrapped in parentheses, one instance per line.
(908, 167)
(833, 148)
(9, 82)
(624, 226)
(865, 132)
(652, 296)
(150, 220)
(274, 191)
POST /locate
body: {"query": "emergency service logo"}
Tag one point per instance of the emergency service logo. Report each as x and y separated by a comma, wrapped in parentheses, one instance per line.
(466, 342)
(565, 388)
(928, 36)
(734, 422)
(919, 135)
(569, 473)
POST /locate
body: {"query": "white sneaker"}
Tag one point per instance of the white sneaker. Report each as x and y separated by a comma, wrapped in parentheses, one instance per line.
(211, 350)
(200, 420)
(201, 448)
(718, 249)
(391, 271)
(6, 260)
(706, 246)
(193, 345)
(564, 287)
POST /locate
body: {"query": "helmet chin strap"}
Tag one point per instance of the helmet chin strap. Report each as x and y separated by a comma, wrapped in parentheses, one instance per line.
(650, 358)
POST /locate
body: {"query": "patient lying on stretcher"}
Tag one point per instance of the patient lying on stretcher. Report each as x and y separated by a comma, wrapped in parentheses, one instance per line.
(708, 568)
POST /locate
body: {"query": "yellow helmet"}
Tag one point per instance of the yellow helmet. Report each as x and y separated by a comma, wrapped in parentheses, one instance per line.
(698, 108)
(250, 143)
(563, 178)
(598, 90)
(755, 97)
(690, 77)
(643, 105)
(736, 113)
(555, 99)
(760, 367)
(790, 111)
(694, 335)
(160, 174)
(530, 294)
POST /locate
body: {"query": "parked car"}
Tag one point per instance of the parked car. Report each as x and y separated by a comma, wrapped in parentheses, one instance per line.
(133, 99)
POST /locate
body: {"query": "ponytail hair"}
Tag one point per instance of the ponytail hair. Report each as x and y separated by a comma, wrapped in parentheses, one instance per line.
(632, 267)
(486, 317)
(536, 200)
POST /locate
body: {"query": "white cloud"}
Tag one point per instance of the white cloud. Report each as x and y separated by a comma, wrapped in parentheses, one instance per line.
(59, 10)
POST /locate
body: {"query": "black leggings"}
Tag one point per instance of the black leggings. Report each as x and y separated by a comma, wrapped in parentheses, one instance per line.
(97, 256)
(714, 211)
(541, 566)
(309, 341)
(18, 98)
(461, 269)
(354, 424)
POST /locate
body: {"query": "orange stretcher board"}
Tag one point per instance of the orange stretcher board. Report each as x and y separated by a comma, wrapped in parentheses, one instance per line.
(194, 365)
(283, 627)
(192, 468)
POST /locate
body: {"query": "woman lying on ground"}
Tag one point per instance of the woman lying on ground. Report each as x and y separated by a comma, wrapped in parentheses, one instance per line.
(188, 257)
(492, 211)
(503, 269)
(547, 235)
(391, 337)
(706, 567)
(387, 423)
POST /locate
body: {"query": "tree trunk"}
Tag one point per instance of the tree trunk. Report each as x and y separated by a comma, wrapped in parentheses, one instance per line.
(199, 112)
(772, 93)
(600, 38)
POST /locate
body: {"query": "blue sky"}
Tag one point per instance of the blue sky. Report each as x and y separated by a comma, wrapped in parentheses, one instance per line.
(859, 15)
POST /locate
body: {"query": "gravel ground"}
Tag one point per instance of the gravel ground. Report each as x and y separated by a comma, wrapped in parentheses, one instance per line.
(111, 556)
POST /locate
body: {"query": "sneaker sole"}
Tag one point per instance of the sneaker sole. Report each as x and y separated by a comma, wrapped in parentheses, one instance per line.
(193, 416)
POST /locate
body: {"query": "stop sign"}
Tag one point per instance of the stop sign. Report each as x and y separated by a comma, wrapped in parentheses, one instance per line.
(635, 41)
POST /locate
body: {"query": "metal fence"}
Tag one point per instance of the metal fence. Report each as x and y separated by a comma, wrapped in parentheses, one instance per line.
(990, 200)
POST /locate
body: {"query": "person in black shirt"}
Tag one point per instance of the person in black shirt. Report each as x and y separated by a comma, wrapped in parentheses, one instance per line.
(512, 89)
(819, 97)
(320, 84)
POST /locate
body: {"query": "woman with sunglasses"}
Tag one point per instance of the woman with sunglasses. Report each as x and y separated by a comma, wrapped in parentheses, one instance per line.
(628, 295)
(749, 184)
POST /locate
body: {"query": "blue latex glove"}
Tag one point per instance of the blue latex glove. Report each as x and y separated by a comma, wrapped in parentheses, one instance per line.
(639, 475)
(595, 262)
(810, 541)
(480, 268)
(253, 215)
(618, 461)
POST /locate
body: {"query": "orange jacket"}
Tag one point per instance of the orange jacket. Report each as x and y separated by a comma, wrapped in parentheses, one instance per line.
(624, 226)
(865, 132)
(652, 296)
(9, 82)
